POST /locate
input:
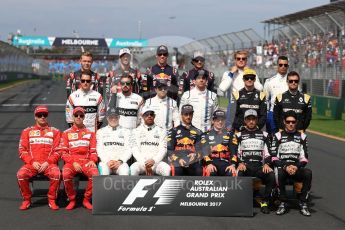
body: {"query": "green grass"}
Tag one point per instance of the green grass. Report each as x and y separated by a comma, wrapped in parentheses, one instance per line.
(223, 102)
(328, 126)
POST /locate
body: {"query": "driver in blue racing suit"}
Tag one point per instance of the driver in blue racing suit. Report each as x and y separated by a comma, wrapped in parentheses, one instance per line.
(217, 144)
(183, 144)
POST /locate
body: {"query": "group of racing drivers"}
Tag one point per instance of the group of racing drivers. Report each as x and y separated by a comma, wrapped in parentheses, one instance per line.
(163, 124)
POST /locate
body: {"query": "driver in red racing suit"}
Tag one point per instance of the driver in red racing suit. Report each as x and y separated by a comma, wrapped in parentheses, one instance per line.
(38, 149)
(80, 156)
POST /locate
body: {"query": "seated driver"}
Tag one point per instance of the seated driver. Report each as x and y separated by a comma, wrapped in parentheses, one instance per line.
(113, 146)
(149, 147)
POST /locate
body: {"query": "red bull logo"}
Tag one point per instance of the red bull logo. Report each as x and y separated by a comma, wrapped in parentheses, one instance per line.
(220, 148)
(185, 144)
(185, 141)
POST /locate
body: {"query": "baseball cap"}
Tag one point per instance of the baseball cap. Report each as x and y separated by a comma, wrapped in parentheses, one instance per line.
(147, 109)
(187, 109)
(200, 73)
(198, 56)
(161, 82)
(124, 51)
(162, 49)
(219, 114)
(41, 109)
(250, 112)
(113, 112)
(249, 71)
(78, 109)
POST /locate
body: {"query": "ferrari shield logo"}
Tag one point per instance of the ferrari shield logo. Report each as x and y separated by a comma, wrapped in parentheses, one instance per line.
(35, 133)
(72, 136)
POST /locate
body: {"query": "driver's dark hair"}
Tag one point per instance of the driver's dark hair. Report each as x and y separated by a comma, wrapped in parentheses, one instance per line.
(292, 73)
(290, 113)
(284, 58)
(126, 76)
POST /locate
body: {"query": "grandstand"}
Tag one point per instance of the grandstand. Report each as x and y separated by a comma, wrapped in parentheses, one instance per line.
(314, 40)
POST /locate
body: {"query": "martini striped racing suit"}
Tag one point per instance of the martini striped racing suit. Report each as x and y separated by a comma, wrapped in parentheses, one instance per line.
(166, 111)
(204, 104)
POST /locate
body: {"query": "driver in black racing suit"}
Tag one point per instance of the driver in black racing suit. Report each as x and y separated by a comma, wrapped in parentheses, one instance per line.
(73, 78)
(290, 154)
(253, 156)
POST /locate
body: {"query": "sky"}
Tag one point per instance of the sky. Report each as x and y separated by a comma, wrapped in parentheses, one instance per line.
(151, 19)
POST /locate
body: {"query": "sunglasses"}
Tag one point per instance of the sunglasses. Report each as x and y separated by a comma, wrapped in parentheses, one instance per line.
(127, 83)
(79, 115)
(293, 81)
(161, 88)
(285, 65)
(241, 59)
(187, 114)
(247, 78)
(290, 122)
(83, 81)
(163, 54)
(151, 114)
(40, 115)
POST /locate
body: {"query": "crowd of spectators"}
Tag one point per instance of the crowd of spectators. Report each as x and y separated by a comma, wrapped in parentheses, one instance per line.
(309, 51)
(65, 66)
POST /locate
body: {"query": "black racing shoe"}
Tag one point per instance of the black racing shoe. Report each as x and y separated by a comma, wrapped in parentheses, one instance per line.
(264, 208)
(282, 209)
(304, 209)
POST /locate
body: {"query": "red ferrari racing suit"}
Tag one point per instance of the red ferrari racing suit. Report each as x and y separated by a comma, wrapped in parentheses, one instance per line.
(39, 144)
(78, 145)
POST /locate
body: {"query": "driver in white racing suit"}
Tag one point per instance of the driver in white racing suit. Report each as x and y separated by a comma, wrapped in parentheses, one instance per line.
(149, 147)
(165, 108)
(129, 104)
(113, 146)
(204, 102)
(90, 100)
(233, 80)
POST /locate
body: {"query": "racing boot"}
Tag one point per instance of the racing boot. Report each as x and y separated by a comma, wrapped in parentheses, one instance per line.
(71, 205)
(282, 209)
(87, 204)
(264, 207)
(52, 205)
(304, 210)
(25, 205)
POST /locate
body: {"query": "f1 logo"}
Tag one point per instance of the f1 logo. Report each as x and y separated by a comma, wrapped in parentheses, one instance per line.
(166, 192)
(138, 190)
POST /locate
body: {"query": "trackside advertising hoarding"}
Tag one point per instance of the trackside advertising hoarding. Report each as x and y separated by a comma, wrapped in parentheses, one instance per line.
(123, 42)
(191, 196)
(32, 41)
(70, 41)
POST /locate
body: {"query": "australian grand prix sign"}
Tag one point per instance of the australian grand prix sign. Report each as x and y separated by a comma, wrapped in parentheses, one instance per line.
(195, 196)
